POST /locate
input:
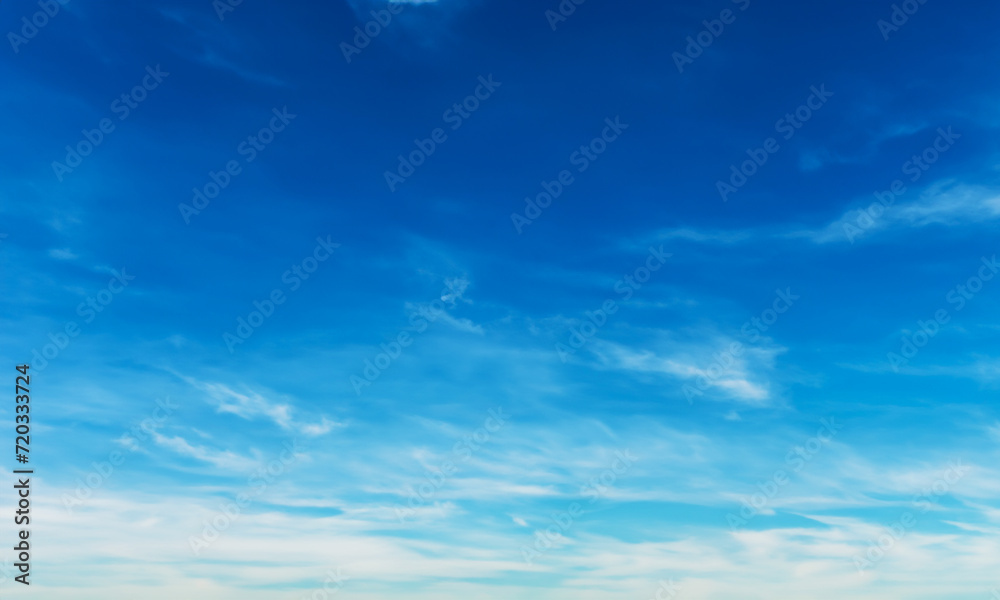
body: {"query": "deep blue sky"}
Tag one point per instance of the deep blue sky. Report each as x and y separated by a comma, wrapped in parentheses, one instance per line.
(488, 312)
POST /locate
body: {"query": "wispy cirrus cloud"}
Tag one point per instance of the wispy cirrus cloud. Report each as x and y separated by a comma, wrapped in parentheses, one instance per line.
(62, 254)
(739, 377)
(210, 43)
(222, 459)
(945, 203)
(716, 236)
(983, 369)
(250, 405)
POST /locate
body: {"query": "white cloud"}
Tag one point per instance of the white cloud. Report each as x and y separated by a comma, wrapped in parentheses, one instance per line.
(949, 204)
(702, 365)
(222, 459)
(323, 427)
(454, 292)
(943, 203)
(704, 236)
(985, 370)
(457, 287)
(62, 254)
(435, 558)
(251, 405)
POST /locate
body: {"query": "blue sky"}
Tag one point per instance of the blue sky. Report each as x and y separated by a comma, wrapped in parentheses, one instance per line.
(500, 301)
